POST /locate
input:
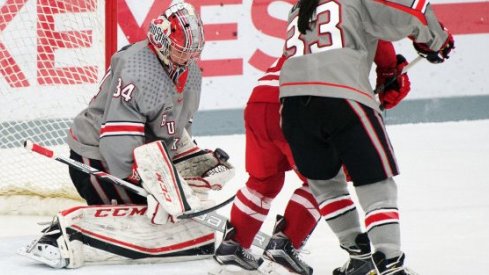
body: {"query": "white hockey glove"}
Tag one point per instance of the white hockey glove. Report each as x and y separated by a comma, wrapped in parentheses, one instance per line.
(169, 192)
(204, 170)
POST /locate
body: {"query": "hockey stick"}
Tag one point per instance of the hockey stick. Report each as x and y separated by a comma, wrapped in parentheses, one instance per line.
(30, 146)
(208, 217)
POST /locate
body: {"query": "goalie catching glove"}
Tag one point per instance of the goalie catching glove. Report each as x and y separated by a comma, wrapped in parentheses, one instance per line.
(203, 169)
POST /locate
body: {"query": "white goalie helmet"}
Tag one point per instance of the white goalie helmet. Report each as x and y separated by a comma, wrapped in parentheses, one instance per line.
(177, 35)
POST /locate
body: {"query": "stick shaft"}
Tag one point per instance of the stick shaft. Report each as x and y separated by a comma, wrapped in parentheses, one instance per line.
(29, 145)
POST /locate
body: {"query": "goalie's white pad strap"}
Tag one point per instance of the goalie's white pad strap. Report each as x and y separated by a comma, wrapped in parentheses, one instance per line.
(162, 180)
(156, 213)
(123, 234)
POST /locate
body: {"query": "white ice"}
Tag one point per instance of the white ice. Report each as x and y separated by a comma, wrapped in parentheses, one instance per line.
(443, 190)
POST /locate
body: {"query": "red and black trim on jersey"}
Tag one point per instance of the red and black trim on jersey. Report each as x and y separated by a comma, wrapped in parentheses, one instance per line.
(122, 128)
(203, 245)
(420, 5)
(417, 8)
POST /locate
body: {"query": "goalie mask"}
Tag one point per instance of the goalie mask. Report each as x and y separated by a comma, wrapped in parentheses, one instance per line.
(177, 35)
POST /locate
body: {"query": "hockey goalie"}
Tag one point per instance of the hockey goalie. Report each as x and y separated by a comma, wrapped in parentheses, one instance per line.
(137, 128)
(151, 233)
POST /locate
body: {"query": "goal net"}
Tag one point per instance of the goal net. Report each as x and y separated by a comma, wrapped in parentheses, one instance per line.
(52, 55)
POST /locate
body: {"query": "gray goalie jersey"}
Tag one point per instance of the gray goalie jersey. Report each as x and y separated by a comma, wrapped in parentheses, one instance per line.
(334, 58)
(137, 103)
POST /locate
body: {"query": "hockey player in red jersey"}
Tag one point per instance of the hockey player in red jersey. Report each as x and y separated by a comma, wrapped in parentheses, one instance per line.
(268, 157)
(138, 127)
(330, 116)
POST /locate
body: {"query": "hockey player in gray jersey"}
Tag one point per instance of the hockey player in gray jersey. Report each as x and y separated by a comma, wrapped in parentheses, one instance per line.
(137, 127)
(330, 116)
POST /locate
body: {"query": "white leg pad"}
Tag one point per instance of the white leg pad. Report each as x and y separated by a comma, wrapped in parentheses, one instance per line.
(123, 234)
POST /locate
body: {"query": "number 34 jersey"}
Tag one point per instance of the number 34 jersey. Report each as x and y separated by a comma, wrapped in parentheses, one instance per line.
(137, 103)
(334, 58)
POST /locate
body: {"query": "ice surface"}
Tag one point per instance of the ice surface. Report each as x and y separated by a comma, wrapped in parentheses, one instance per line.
(443, 190)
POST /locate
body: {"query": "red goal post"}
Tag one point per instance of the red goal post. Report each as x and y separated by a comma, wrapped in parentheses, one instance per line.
(52, 55)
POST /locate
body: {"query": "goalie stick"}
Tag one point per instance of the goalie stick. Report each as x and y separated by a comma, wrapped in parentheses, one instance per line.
(207, 217)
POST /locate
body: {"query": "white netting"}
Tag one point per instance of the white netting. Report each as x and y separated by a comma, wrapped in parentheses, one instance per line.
(51, 58)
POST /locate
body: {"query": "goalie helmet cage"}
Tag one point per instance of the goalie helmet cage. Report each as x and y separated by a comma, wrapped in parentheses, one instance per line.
(53, 54)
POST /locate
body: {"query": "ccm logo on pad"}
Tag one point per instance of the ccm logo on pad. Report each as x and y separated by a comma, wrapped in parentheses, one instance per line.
(121, 212)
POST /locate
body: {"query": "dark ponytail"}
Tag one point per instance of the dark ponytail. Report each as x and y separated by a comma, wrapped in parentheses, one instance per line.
(306, 10)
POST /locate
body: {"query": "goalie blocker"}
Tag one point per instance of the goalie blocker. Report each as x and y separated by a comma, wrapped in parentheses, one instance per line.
(169, 194)
(181, 187)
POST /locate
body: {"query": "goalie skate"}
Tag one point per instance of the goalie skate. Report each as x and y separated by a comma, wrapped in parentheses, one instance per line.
(44, 253)
(46, 249)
